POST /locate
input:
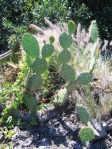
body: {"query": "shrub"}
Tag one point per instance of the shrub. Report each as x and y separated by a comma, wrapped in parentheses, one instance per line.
(56, 11)
(16, 15)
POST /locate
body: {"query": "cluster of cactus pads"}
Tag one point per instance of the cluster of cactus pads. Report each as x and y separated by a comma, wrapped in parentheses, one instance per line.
(86, 133)
(39, 62)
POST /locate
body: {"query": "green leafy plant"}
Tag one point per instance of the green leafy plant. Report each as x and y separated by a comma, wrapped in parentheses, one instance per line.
(13, 93)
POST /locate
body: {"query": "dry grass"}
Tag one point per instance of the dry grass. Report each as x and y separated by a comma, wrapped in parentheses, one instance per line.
(82, 60)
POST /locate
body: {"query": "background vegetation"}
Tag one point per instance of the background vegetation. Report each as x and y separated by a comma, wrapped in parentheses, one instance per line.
(15, 15)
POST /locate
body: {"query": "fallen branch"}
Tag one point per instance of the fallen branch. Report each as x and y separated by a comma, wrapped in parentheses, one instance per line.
(5, 55)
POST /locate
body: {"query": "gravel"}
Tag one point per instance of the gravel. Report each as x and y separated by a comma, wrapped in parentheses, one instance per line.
(60, 132)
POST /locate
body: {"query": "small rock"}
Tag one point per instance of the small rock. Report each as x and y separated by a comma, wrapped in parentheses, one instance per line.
(56, 124)
(43, 147)
(52, 132)
(44, 143)
(74, 145)
(23, 135)
(27, 142)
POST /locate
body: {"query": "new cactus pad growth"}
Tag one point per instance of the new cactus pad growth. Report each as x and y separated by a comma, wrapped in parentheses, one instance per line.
(86, 134)
(94, 31)
(71, 27)
(34, 82)
(30, 45)
(83, 114)
(47, 50)
(39, 66)
(65, 41)
(67, 72)
(51, 39)
(64, 57)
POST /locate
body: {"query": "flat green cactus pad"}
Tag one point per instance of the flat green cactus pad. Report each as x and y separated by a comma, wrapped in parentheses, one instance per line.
(35, 82)
(30, 45)
(84, 78)
(94, 31)
(30, 101)
(71, 27)
(83, 114)
(39, 66)
(67, 72)
(64, 57)
(86, 134)
(65, 41)
(70, 87)
(47, 50)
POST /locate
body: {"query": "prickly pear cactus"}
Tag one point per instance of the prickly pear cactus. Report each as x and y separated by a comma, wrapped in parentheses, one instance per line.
(51, 39)
(67, 72)
(64, 57)
(30, 101)
(83, 114)
(47, 50)
(84, 78)
(35, 83)
(71, 27)
(29, 60)
(70, 87)
(39, 66)
(94, 31)
(65, 41)
(86, 134)
(30, 45)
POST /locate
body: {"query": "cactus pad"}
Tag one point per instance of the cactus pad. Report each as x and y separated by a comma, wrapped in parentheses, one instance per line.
(35, 83)
(83, 114)
(94, 31)
(51, 39)
(71, 27)
(67, 72)
(84, 78)
(39, 66)
(70, 87)
(30, 101)
(64, 57)
(86, 134)
(65, 40)
(47, 50)
(30, 45)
